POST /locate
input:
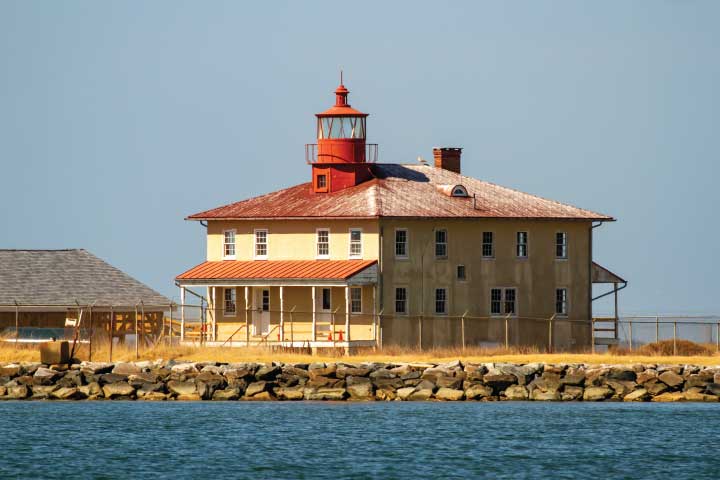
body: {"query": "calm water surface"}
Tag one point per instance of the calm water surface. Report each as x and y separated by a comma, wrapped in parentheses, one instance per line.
(350, 440)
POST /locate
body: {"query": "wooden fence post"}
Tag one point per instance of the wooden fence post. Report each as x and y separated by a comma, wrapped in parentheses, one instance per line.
(462, 329)
(592, 335)
(674, 338)
(631, 345)
(112, 330)
(507, 332)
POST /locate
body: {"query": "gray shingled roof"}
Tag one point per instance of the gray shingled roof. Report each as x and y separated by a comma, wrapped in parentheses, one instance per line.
(62, 277)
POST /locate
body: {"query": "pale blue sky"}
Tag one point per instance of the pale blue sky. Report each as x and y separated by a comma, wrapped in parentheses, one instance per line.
(118, 119)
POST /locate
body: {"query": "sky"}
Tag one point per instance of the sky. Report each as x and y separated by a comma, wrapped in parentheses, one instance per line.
(119, 119)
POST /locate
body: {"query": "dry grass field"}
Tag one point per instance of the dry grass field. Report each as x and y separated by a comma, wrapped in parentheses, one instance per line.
(689, 353)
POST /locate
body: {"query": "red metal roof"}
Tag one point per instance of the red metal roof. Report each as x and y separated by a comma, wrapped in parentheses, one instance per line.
(401, 191)
(277, 269)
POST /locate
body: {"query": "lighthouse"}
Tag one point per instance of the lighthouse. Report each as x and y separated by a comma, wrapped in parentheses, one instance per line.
(341, 156)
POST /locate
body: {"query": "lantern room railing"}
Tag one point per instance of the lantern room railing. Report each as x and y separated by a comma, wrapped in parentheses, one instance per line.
(311, 153)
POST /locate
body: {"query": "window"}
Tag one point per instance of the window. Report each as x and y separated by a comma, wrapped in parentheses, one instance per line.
(487, 245)
(261, 247)
(440, 301)
(561, 246)
(229, 244)
(441, 244)
(321, 181)
(561, 302)
(323, 243)
(356, 300)
(266, 300)
(502, 301)
(355, 243)
(401, 243)
(326, 299)
(401, 300)
(522, 245)
(461, 272)
(229, 302)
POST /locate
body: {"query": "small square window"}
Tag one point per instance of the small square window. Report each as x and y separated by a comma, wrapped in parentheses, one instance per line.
(321, 181)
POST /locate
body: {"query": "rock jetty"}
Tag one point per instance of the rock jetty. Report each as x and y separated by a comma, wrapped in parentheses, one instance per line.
(454, 381)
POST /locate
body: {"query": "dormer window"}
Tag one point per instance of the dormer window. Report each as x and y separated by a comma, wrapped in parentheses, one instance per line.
(459, 191)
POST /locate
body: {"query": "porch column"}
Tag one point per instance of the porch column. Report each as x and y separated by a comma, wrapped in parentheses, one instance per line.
(347, 313)
(182, 314)
(247, 314)
(282, 314)
(374, 321)
(314, 315)
(214, 313)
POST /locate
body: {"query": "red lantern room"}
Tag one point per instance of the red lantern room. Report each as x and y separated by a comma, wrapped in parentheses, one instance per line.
(339, 159)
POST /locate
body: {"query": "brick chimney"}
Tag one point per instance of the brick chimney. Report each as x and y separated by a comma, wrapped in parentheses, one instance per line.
(447, 158)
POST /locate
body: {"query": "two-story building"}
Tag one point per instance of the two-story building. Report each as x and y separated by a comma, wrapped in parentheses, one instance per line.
(368, 253)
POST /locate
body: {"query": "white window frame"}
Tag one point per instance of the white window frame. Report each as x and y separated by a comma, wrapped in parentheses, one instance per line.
(317, 244)
(503, 301)
(233, 298)
(350, 243)
(445, 301)
(353, 290)
(406, 300)
(255, 244)
(565, 302)
(435, 233)
(518, 244)
(407, 244)
(491, 243)
(226, 256)
(563, 245)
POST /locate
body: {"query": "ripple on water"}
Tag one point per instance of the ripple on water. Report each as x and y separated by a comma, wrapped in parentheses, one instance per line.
(351, 440)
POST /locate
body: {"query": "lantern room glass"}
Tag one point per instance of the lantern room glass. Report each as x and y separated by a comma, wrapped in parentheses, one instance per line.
(341, 127)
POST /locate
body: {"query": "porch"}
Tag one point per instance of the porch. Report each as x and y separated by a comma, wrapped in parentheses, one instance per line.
(294, 304)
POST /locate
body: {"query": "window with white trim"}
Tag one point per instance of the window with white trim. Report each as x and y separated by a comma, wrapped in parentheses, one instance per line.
(488, 250)
(355, 300)
(503, 301)
(561, 301)
(322, 181)
(230, 304)
(401, 299)
(229, 244)
(440, 301)
(261, 244)
(323, 243)
(441, 246)
(355, 243)
(522, 245)
(561, 245)
(401, 243)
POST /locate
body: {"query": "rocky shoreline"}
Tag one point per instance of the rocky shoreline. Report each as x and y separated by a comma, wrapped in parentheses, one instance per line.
(454, 381)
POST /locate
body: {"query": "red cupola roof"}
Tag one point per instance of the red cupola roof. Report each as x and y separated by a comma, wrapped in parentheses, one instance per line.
(341, 108)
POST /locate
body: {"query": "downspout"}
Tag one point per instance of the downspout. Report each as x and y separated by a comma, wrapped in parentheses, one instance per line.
(590, 263)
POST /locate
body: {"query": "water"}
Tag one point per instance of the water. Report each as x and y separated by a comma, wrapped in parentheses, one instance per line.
(351, 440)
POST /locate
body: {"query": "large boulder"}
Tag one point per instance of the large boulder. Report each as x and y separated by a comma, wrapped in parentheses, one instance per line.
(478, 391)
(11, 370)
(516, 392)
(207, 382)
(256, 388)
(404, 393)
(182, 388)
(454, 383)
(671, 379)
(669, 397)
(639, 395)
(539, 395)
(45, 376)
(42, 392)
(184, 368)
(622, 373)
(694, 395)
(449, 394)
(324, 393)
(571, 393)
(421, 394)
(18, 392)
(126, 369)
(596, 394)
(290, 393)
(96, 368)
(326, 371)
(360, 391)
(385, 394)
(226, 394)
(344, 371)
(655, 387)
(91, 390)
(499, 382)
(713, 388)
(118, 390)
(646, 375)
(267, 372)
(67, 393)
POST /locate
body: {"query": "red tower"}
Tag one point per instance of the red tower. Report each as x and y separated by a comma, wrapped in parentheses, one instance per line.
(341, 156)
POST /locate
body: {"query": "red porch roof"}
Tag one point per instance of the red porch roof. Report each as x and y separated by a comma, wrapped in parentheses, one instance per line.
(277, 269)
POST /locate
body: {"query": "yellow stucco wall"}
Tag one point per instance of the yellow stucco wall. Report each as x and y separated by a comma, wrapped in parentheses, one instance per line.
(292, 239)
